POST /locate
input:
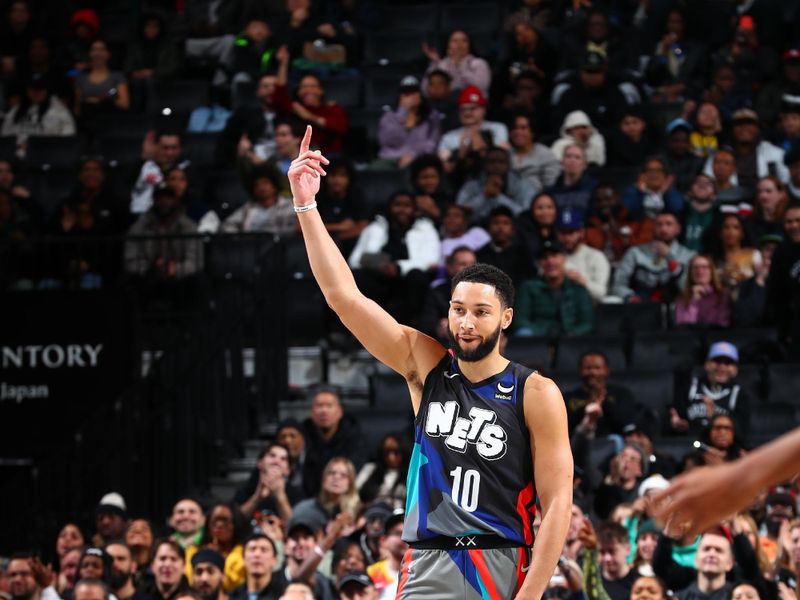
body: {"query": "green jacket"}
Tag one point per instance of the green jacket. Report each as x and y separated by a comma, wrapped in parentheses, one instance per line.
(540, 311)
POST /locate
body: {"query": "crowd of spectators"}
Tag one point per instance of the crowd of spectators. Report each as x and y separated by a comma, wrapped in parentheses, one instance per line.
(637, 152)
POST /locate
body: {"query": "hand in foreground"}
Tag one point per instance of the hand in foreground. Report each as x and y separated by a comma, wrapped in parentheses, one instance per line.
(305, 171)
(700, 499)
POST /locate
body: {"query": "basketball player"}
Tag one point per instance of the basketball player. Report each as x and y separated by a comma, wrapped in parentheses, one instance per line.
(486, 428)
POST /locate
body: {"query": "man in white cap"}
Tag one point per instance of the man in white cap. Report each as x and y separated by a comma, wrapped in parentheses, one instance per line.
(111, 519)
(715, 393)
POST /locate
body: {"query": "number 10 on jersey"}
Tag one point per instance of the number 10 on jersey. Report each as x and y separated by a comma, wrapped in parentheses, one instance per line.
(466, 487)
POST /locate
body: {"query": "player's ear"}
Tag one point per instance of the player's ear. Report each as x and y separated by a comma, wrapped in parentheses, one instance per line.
(508, 315)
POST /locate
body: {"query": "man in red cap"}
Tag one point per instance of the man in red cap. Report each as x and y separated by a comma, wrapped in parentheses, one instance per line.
(475, 134)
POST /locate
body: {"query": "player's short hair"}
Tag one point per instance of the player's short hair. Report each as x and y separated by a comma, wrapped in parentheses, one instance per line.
(610, 532)
(490, 275)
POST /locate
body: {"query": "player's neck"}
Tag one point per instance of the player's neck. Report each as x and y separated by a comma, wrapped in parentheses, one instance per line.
(484, 368)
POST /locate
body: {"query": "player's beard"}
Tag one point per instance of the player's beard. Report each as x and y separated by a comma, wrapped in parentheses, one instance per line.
(480, 352)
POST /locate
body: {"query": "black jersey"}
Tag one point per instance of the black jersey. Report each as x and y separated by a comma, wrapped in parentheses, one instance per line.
(471, 471)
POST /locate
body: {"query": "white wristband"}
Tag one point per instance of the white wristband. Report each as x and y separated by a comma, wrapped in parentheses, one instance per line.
(306, 208)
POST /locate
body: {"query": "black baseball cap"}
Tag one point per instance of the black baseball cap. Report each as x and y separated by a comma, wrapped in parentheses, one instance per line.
(550, 247)
(357, 577)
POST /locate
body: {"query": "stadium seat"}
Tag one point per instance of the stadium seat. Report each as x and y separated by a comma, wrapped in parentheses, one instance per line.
(375, 424)
(601, 451)
(420, 18)
(653, 388)
(570, 349)
(484, 44)
(782, 383)
(381, 91)
(534, 352)
(120, 149)
(361, 140)
(229, 193)
(378, 184)
(666, 349)
(677, 447)
(772, 419)
(305, 311)
(755, 345)
(402, 47)
(473, 17)
(389, 393)
(613, 319)
(346, 91)
(178, 96)
(201, 148)
(50, 187)
(50, 152)
(8, 147)
(295, 258)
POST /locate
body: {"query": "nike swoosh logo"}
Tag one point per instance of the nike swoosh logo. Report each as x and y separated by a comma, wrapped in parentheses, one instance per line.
(451, 375)
(504, 389)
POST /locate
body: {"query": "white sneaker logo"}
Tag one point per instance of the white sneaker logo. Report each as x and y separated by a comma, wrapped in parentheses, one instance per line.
(503, 389)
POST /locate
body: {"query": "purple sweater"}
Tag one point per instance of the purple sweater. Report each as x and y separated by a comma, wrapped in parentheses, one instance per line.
(707, 310)
(396, 141)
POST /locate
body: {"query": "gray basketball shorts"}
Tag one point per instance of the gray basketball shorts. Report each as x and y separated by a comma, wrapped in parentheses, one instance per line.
(462, 574)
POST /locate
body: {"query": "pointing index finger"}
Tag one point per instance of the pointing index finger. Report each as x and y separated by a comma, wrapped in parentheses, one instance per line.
(306, 143)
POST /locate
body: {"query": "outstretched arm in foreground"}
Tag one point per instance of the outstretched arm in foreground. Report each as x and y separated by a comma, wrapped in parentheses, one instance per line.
(703, 497)
(406, 350)
(546, 418)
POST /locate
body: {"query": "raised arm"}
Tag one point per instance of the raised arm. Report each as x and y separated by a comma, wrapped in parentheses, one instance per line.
(546, 418)
(406, 350)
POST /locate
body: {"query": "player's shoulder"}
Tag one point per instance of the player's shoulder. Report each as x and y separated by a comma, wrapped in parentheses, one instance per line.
(541, 389)
(538, 382)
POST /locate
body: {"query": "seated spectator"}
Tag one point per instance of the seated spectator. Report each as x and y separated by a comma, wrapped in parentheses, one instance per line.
(783, 294)
(598, 34)
(266, 488)
(653, 192)
(428, 185)
(249, 133)
(356, 585)
(464, 68)
(654, 271)
(384, 478)
(393, 256)
(781, 508)
(38, 113)
(90, 199)
(713, 561)
(538, 224)
(193, 204)
(704, 140)
(207, 574)
(574, 186)
(168, 568)
(84, 28)
(166, 259)
(613, 548)
(347, 556)
(553, 305)
(329, 433)
(727, 92)
(641, 434)
(496, 185)
(433, 319)
(528, 51)
(187, 521)
(17, 29)
(593, 92)
(290, 434)
(225, 531)
(456, 233)
(752, 63)
(528, 96)
(140, 539)
(475, 135)
(288, 133)
(95, 563)
(750, 305)
(341, 204)
(503, 250)
(621, 485)
(722, 168)
(154, 55)
(723, 441)
(166, 154)
(437, 88)
(609, 227)
(577, 130)
(585, 265)
(677, 68)
(632, 141)
(260, 559)
(599, 407)
(735, 259)
(254, 52)
(703, 301)
(681, 161)
(328, 119)
(714, 393)
(99, 90)
(337, 494)
(788, 133)
(535, 163)
(772, 199)
(386, 573)
(19, 193)
(412, 129)
(268, 211)
(699, 213)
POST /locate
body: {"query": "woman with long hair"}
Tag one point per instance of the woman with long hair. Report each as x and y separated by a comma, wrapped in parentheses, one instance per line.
(338, 493)
(167, 568)
(772, 198)
(99, 89)
(460, 63)
(736, 261)
(745, 524)
(225, 531)
(139, 539)
(538, 224)
(384, 479)
(412, 129)
(703, 301)
(724, 437)
(68, 538)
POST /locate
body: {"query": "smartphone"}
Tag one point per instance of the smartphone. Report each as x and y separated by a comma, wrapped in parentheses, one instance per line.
(698, 445)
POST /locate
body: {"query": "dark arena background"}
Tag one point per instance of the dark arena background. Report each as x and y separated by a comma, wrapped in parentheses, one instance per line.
(632, 165)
